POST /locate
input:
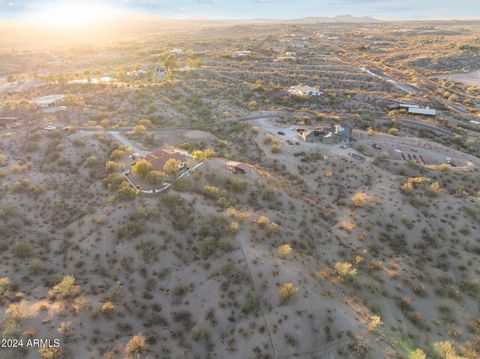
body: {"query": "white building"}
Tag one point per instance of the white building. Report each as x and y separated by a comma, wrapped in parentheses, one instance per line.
(304, 91)
(415, 109)
(48, 101)
(94, 80)
(425, 111)
(242, 53)
(176, 51)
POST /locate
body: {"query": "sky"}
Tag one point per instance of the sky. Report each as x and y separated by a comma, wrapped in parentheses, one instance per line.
(248, 9)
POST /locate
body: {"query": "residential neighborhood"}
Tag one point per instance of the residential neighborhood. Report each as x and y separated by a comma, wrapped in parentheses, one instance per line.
(239, 180)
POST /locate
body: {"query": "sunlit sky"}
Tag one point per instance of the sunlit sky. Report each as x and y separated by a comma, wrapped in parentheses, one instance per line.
(244, 9)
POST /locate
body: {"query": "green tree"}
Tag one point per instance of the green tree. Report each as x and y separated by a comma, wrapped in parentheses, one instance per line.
(156, 177)
(126, 191)
(197, 155)
(142, 168)
(171, 62)
(172, 166)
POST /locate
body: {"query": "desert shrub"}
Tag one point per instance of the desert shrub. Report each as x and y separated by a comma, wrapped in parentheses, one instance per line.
(25, 186)
(360, 199)
(374, 322)
(473, 325)
(237, 185)
(263, 221)
(80, 304)
(212, 192)
(133, 228)
(240, 216)
(22, 249)
(18, 168)
(250, 305)
(111, 166)
(139, 129)
(51, 353)
(136, 346)
(444, 168)
(91, 162)
(213, 225)
(179, 210)
(3, 160)
(225, 245)
(287, 292)
(126, 191)
(284, 251)
(207, 246)
(36, 267)
(417, 354)
(414, 182)
(156, 177)
(65, 289)
(108, 308)
(393, 131)
(5, 286)
(113, 181)
(268, 139)
(117, 154)
(275, 148)
(345, 270)
(446, 350)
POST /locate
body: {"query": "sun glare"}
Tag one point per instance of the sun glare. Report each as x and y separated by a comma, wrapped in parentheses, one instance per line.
(68, 14)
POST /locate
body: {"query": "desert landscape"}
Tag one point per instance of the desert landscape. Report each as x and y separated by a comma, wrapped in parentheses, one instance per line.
(198, 188)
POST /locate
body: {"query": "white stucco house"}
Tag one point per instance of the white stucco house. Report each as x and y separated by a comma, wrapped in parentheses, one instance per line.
(304, 91)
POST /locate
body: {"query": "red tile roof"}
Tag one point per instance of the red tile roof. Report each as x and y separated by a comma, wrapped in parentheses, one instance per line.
(158, 159)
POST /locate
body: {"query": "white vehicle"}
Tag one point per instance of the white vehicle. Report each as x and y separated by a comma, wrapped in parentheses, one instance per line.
(49, 128)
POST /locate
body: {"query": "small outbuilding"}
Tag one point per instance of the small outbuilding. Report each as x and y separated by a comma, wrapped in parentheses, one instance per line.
(237, 167)
(304, 91)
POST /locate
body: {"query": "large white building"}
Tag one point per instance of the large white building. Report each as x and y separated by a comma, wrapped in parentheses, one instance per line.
(48, 101)
(425, 111)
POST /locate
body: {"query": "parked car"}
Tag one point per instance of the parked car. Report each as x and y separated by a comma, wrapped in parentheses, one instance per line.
(376, 146)
(49, 128)
(343, 147)
(281, 133)
(301, 130)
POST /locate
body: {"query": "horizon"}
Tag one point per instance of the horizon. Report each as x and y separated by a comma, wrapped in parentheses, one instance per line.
(386, 10)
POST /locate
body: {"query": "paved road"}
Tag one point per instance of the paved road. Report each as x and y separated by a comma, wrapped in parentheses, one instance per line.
(406, 88)
(171, 129)
(125, 141)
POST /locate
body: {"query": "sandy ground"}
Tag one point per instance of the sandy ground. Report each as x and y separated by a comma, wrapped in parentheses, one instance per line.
(469, 78)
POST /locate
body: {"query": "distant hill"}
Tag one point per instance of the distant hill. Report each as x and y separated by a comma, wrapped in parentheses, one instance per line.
(340, 18)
